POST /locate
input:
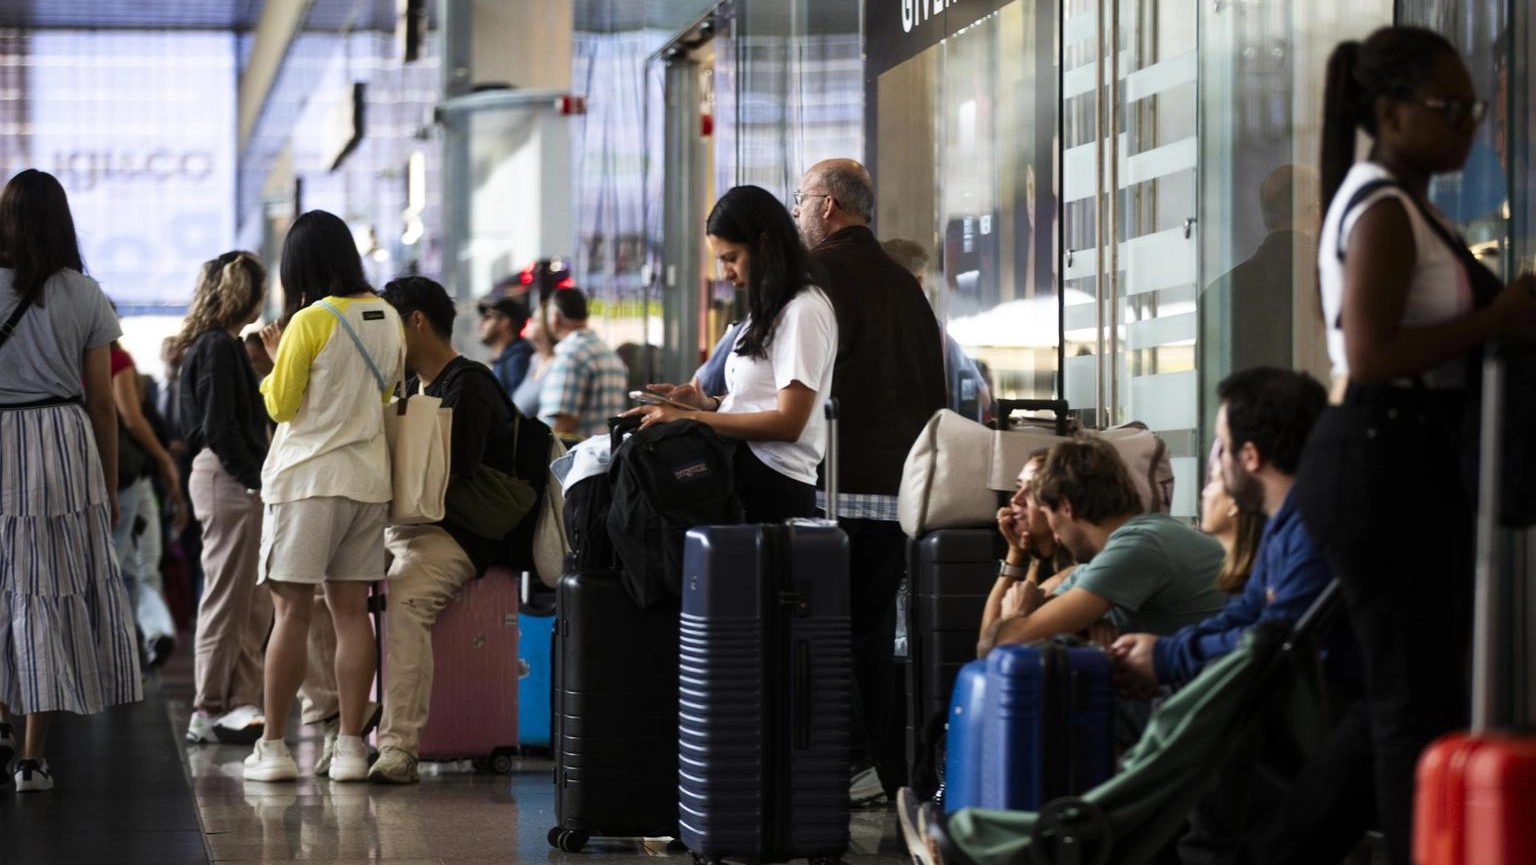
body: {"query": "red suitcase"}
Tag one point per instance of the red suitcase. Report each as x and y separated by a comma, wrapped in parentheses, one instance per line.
(475, 670)
(1476, 802)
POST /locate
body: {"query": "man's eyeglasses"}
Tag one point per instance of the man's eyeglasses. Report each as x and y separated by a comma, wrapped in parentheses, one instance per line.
(1457, 111)
(801, 196)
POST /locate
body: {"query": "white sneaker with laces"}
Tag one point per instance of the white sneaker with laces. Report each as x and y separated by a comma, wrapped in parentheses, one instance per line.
(270, 761)
(242, 725)
(350, 761)
(200, 729)
(394, 766)
(32, 776)
(333, 729)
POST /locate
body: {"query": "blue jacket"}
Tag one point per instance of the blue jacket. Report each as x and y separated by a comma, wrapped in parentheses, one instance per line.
(1289, 574)
(511, 366)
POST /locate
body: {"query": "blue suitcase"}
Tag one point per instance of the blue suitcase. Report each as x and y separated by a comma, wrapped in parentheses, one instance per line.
(963, 743)
(1046, 729)
(765, 672)
(535, 639)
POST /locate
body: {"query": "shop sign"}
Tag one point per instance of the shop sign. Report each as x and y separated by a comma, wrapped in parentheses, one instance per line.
(898, 30)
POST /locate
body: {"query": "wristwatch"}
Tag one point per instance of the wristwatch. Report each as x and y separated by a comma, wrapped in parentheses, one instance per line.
(1013, 572)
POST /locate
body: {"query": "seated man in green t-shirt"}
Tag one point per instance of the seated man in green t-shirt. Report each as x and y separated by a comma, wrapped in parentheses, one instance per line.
(1148, 573)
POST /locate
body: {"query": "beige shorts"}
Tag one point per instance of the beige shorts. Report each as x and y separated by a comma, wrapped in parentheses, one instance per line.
(330, 538)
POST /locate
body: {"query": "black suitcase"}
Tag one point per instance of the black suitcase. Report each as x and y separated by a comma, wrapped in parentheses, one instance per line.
(766, 674)
(615, 713)
(950, 572)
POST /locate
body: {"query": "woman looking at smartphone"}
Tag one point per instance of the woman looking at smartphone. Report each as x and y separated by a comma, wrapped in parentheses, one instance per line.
(781, 365)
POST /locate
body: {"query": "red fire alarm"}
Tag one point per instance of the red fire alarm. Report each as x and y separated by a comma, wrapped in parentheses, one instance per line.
(573, 105)
(706, 125)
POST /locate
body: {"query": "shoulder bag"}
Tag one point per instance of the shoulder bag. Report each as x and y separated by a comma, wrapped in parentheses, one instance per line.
(419, 432)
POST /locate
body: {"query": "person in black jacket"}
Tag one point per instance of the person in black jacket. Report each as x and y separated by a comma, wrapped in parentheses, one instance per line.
(224, 423)
(888, 379)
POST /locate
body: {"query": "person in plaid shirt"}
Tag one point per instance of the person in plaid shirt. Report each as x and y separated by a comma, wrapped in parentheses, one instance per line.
(586, 381)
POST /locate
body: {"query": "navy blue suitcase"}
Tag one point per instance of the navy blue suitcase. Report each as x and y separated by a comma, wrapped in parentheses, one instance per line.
(1047, 727)
(765, 671)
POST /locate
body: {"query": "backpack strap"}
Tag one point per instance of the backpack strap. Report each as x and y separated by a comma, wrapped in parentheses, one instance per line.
(1364, 192)
(356, 340)
(10, 324)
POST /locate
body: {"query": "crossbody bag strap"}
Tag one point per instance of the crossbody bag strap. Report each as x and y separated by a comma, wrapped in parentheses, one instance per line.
(10, 324)
(356, 340)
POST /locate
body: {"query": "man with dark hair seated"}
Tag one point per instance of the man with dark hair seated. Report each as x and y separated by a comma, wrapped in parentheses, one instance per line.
(1145, 572)
(430, 563)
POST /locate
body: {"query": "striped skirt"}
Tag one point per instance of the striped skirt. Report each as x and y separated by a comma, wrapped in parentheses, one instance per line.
(66, 628)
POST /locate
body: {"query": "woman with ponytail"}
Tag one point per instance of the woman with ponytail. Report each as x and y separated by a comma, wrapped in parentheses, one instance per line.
(224, 424)
(1379, 485)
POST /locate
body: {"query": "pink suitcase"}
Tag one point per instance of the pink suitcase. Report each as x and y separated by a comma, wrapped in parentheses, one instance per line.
(473, 712)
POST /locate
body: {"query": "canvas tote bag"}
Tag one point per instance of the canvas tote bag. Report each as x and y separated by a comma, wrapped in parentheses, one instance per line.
(419, 431)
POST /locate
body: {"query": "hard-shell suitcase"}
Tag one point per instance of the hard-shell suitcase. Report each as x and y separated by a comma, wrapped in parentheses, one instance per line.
(1475, 792)
(473, 709)
(765, 678)
(615, 713)
(963, 744)
(950, 573)
(535, 638)
(1045, 729)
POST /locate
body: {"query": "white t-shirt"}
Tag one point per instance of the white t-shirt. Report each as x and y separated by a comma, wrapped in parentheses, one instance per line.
(1439, 289)
(803, 349)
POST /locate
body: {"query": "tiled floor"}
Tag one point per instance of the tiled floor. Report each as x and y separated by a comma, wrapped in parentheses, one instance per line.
(123, 799)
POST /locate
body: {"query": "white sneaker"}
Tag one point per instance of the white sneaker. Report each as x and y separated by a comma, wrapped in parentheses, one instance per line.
(270, 761)
(350, 762)
(33, 776)
(242, 725)
(865, 788)
(200, 729)
(333, 729)
(394, 766)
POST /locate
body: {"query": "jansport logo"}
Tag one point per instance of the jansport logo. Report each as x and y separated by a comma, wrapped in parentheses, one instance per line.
(691, 472)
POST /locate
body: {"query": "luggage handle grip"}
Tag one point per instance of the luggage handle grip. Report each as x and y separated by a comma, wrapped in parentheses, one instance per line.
(830, 408)
(800, 690)
(1003, 409)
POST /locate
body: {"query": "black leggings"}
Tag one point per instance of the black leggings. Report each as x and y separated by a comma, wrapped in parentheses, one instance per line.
(767, 495)
(1382, 495)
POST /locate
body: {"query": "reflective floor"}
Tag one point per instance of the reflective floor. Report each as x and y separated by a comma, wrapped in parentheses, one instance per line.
(122, 798)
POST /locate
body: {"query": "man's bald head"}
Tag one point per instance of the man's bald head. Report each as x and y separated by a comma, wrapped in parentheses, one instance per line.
(834, 194)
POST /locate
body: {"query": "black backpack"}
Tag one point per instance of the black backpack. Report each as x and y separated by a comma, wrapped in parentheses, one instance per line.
(531, 439)
(666, 480)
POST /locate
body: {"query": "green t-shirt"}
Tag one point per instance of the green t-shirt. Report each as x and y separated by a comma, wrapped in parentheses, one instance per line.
(1159, 574)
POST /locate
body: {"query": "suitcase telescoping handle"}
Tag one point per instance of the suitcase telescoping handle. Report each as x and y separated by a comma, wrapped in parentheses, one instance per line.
(1492, 589)
(831, 410)
(1004, 409)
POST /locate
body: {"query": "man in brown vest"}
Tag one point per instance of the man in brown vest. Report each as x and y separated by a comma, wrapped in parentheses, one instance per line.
(889, 379)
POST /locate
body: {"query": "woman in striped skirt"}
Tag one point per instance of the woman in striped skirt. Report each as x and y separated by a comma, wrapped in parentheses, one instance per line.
(66, 627)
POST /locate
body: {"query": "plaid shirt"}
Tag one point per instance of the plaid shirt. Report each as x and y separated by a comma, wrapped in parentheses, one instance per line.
(861, 506)
(585, 380)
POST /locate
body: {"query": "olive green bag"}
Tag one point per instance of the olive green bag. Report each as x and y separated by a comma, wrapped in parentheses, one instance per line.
(490, 503)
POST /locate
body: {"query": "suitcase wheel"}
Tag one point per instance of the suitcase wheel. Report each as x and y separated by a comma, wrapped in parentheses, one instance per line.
(1071, 831)
(701, 859)
(568, 840)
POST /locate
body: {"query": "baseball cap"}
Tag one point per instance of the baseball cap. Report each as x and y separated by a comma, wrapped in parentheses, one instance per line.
(510, 307)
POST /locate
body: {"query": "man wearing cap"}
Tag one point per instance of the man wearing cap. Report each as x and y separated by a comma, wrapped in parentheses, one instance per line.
(501, 330)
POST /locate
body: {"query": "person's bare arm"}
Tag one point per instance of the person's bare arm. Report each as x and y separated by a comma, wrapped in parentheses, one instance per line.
(1377, 273)
(97, 364)
(1069, 613)
(785, 423)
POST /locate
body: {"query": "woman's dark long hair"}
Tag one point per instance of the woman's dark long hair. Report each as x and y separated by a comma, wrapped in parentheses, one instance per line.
(319, 259)
(1393, 62)
(778, 266)
(37, 232)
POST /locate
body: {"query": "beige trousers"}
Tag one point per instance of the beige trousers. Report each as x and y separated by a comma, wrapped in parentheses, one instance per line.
(235, 613)
(427, 569)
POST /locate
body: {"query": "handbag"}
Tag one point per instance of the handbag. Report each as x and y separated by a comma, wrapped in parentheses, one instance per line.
(419, 434)
(489, 502)
(551, 546)
(957, 467)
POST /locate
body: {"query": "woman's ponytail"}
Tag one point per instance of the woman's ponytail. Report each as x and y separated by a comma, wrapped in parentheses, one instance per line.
(1341, 118)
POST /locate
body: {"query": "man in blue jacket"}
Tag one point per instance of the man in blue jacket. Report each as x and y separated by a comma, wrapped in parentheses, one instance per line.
(1262, 426)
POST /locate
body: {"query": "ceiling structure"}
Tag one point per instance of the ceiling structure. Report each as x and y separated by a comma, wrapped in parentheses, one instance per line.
(235, 15)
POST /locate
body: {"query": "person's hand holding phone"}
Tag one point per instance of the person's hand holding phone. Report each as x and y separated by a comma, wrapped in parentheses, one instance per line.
(686, 396)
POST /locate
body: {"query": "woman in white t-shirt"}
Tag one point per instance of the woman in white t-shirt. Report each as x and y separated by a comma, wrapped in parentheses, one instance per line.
(325, 485)
(781, 367)
(1379, 484)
